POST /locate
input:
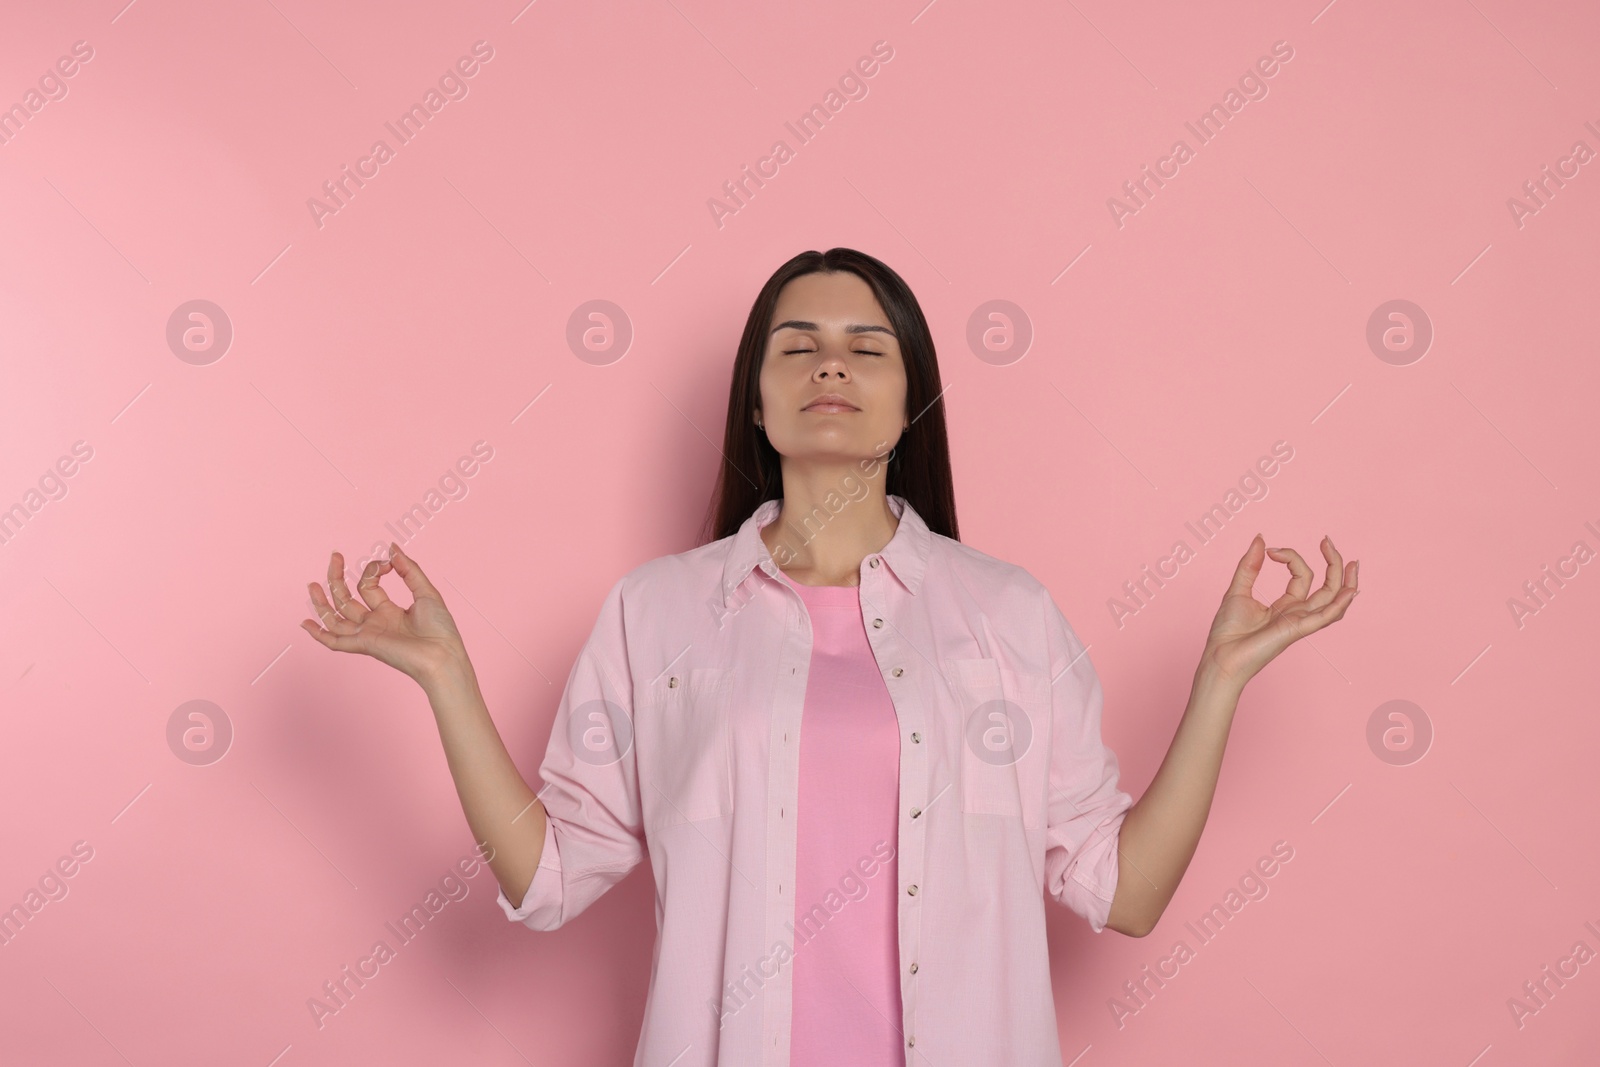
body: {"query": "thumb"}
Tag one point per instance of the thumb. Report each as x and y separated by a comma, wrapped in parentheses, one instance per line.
(1244, 576)
(411, 574)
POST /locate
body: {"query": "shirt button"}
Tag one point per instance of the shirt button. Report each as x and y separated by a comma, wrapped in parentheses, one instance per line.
(877, 624)
(672, 683)
(874, 562)
(910, 1041)
(915, 812)
(916, 738)
(898, 671)
(912, 890)
(913, 968)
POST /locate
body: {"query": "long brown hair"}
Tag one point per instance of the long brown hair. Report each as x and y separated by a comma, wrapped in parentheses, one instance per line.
(919, 466)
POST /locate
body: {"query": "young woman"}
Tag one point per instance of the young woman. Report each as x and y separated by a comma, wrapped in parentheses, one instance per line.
(858, 752)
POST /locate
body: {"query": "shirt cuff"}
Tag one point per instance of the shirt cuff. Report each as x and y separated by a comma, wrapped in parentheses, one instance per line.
(543, 898)
(1092, 884)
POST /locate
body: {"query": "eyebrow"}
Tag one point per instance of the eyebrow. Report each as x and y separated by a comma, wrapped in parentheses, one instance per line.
(854, 327)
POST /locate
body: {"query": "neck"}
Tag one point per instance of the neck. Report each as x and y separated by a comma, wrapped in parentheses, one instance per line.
(831, 519)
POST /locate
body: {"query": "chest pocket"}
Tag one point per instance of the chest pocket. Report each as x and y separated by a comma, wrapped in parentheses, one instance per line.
(1005, 740)
(688, 768)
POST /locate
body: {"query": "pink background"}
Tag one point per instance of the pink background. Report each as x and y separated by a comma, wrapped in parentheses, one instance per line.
(429, 313)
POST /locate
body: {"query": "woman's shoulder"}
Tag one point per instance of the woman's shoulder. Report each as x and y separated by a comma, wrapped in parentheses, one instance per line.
(978, 568)
(694, 571)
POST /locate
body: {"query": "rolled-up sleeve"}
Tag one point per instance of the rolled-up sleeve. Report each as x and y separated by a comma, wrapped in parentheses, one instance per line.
(594, 829)
(1085, 807)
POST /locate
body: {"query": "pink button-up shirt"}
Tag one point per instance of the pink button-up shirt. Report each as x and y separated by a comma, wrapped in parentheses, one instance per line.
(678, 733)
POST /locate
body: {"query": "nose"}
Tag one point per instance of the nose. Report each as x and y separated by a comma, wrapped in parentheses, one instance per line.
(831, 362)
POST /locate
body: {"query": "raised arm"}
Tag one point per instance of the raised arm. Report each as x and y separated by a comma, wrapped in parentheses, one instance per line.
(422, 641)
(1159, 834)
(499, 805)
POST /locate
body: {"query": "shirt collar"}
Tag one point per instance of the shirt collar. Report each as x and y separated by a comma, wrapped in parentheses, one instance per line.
(906, 553)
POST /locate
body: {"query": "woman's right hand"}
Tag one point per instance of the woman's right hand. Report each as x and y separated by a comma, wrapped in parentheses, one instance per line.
(420, 641)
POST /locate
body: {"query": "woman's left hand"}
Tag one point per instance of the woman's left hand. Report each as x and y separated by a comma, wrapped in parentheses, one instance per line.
(1247, 634)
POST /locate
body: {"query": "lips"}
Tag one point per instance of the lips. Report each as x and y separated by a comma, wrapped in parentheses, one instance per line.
(830, 402)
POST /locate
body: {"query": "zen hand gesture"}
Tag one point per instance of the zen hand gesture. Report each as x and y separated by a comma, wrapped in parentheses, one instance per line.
(419, 641)
(1247, 634)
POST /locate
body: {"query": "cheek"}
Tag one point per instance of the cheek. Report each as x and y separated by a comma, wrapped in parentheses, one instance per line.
(769, 383)
(892, 384)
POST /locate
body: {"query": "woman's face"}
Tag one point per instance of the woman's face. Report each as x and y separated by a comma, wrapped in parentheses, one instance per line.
(828, 335)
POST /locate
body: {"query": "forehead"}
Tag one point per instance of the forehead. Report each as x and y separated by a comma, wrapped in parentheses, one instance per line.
(835, 300)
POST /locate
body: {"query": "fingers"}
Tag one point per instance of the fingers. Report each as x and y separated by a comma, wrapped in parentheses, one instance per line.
(1333, 581)
(337, 642)
(1333, 599)
(328, 614)
(347, 605)
(1299, 577)
(368, 586)
(1330, 612)
(342, 617)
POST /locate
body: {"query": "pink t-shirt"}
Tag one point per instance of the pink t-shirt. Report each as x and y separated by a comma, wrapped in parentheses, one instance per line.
(847, 1007)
